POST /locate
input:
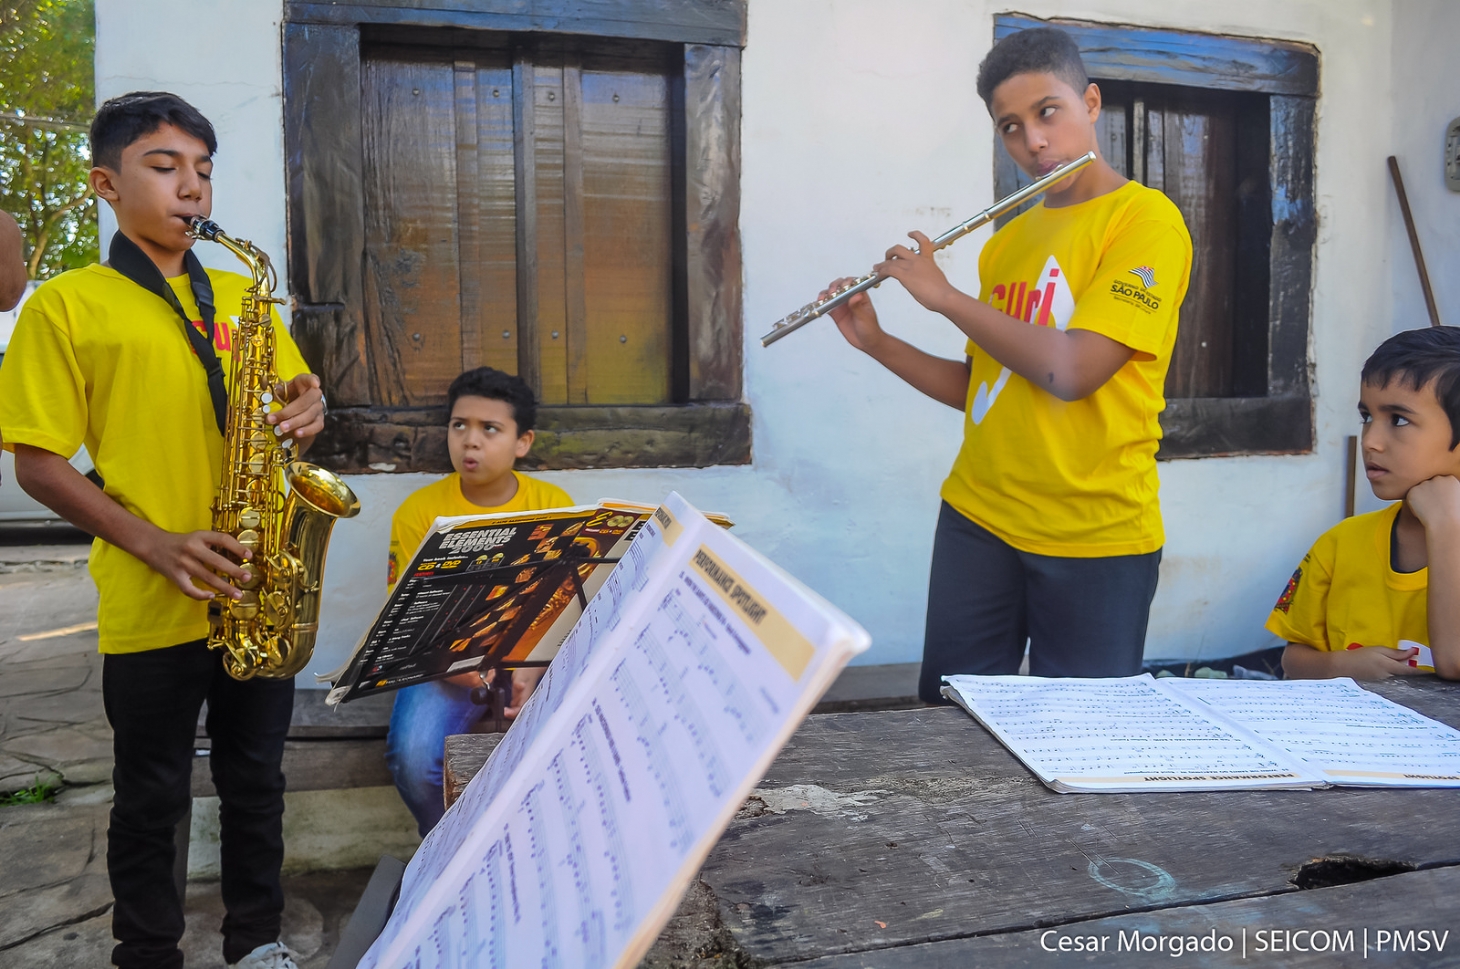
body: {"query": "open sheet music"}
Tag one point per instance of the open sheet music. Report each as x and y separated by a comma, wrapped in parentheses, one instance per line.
(490, 589)
(664, 706)
(1143, 734)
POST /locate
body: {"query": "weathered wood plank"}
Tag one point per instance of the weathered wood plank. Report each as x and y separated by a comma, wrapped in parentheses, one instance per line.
(368, 716)
(574, 336)
(361, 440)
(1198, 146)
(524, 144)
(712, 222)
(465, 755)
(626, 231)
(1294, 234)
(497, 194)
(322, 145)
(1415, 900)
(412, 279)
(678, 21)
(318, 765)
(1197, 427)
(469, 184)
(1213, 61)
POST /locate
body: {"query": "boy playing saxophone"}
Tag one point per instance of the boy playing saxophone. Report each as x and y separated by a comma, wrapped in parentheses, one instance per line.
(124, 357)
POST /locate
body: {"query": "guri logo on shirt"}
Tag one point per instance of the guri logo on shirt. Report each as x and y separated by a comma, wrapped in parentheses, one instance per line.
(222, 334)
(1049, 302)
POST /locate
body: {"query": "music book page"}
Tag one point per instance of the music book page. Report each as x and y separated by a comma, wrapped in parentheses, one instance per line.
(666, 704)
(1121, 734)
(1348, 734)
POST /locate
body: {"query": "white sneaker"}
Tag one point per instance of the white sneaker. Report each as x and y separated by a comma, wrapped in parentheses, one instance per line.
(275, 955)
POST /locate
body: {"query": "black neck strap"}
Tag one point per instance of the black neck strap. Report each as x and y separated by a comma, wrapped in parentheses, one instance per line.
(127, 258)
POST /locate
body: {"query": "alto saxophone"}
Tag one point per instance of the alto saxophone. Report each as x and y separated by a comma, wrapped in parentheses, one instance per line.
(270, 630)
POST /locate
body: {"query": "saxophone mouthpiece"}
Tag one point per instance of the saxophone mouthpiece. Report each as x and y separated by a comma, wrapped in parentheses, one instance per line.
(201, 228)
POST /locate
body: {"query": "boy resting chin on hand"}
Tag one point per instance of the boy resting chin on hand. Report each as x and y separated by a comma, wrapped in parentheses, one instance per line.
(1359, 605)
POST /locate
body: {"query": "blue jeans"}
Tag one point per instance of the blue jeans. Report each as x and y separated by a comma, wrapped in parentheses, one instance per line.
(422, 717)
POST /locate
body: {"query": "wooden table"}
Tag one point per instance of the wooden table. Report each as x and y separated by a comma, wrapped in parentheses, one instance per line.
(913, 838)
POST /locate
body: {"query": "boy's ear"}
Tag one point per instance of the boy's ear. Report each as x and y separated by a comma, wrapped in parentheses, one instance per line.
(1093, 101)
(103, 183)
(524, 443)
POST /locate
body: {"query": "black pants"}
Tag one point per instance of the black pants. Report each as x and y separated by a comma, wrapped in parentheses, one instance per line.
(152, 701)
(986, 599)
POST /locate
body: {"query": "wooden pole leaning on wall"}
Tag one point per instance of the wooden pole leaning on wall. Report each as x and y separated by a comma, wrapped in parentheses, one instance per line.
(1351, 478)
(1419, 256)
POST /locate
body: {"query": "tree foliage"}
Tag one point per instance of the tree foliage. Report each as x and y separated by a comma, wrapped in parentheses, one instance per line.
(47, 98)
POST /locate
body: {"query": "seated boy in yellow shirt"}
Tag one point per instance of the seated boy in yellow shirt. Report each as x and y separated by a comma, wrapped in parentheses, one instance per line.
(490, 427)
(1359, 604)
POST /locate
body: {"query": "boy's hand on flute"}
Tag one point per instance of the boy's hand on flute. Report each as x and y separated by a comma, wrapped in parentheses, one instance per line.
(918, 272)
(856, 318)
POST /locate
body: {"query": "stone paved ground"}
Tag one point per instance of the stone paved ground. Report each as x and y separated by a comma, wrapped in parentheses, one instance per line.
(55, 903)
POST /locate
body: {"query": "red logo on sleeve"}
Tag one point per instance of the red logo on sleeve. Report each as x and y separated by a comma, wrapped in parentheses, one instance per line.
(1285, 601)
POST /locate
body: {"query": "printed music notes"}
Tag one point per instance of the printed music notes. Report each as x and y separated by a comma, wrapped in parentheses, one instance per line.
(663, 707)
(1142, 734)
(1123, 734)
(1349, 735)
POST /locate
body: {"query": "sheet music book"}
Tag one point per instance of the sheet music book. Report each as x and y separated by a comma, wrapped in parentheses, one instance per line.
(1139, 733)
(489, 589)
(665, 705)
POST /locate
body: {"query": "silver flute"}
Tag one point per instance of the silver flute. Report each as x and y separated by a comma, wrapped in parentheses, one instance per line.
(821, 307)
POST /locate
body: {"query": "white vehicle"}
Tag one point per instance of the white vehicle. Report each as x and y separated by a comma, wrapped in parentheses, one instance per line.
(15, 504)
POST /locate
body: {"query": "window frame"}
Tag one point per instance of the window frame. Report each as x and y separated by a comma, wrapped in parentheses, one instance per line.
(1281, 420)
(708, 424)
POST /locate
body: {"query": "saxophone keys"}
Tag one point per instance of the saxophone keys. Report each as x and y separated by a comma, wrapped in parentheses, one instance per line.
(278, 609)
(246, 607)
(249, 518)
(248, 538)
(266, 398)
(256, 464)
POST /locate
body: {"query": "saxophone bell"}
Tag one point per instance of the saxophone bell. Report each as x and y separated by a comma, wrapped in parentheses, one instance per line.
(270, 631)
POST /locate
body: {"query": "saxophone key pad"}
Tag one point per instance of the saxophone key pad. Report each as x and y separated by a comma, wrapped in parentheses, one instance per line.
(246, 607)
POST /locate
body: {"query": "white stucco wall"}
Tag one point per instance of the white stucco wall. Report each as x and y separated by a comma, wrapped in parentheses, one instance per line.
(860, 123)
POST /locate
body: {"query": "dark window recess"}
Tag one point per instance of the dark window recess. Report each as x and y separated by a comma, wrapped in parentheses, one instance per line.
(1218, 123)
(1208, 152)
(523, 199)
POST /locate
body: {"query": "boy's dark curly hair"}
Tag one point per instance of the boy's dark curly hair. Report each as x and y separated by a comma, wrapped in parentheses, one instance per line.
(1418, 357)
(493, 384)
(1038, 50)
(122, 120)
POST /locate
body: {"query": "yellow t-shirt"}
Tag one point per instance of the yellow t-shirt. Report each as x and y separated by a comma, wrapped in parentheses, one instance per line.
(97, 359)
(1346, 593)
(444, 498)
(1076, 479)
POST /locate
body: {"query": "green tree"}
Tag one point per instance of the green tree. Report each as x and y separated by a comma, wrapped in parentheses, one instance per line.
(47, 97)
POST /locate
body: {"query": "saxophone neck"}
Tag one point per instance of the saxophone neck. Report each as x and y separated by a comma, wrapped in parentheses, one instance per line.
(257, 261)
